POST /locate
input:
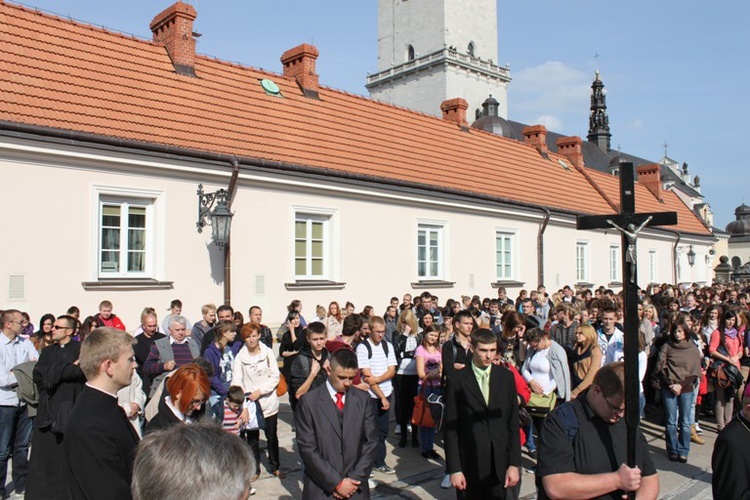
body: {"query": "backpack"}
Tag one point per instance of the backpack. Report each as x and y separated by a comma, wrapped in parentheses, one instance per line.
(566, 414)
(369, 348)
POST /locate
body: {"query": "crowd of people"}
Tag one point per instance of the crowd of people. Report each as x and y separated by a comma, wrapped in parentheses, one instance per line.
(534, 367)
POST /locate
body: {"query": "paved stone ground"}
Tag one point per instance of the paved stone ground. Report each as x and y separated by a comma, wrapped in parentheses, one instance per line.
(417, 478)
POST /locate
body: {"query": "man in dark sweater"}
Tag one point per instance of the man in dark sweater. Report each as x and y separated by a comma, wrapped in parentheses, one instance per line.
(171, 352)
(145, 340)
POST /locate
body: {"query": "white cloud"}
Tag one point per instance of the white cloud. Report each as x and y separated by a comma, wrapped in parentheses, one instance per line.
(548, 92)
(635, 125)
(549, 121)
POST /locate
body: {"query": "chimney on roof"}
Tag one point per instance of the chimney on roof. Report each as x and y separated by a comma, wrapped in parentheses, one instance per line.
(570, 147)
(650, 176)
(536, 135)
(173, 27)
(454, 110)
(299, 63)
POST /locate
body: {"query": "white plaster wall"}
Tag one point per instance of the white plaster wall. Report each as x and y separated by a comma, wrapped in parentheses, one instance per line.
(429, 26)
(423, 92)
(50, 239)
(475, 89)
(51, 212)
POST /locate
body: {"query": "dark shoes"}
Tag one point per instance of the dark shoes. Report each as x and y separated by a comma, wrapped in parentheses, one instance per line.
(402, 441)
(682, 459)
(431, 455)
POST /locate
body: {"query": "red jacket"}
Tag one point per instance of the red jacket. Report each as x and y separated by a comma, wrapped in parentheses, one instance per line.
(522, 388)
(113, 321)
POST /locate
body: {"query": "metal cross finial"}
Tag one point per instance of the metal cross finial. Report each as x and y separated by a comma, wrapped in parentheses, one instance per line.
(666, 147)
(596, 56)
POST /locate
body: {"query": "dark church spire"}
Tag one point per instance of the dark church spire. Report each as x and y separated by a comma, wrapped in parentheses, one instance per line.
(598, 118)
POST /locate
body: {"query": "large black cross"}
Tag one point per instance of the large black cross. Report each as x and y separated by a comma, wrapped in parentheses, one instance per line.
(628, 222)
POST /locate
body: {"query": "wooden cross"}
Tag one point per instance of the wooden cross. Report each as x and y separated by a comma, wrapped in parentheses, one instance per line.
(629, 223)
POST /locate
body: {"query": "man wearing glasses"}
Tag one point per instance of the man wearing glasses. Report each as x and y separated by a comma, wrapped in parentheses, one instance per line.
(583, 452)
(59, 381)
(15, 425)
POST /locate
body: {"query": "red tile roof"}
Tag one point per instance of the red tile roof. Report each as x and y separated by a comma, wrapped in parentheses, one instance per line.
(66, 75)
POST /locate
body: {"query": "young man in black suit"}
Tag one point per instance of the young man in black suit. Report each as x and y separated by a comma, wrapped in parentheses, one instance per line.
(100, 442)
(482, 443)
(336, 434)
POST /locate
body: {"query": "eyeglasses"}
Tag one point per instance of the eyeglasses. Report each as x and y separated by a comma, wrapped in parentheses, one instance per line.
(614, 409)
(197, 402)
(58, 327)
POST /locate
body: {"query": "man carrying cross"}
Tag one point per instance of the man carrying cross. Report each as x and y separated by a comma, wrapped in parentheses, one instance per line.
(587, 450)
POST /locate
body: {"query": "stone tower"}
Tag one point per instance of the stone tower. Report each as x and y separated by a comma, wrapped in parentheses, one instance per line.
(598, 118)
(433, 50)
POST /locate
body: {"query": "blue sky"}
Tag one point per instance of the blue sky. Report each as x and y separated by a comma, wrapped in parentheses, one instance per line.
(674, 70)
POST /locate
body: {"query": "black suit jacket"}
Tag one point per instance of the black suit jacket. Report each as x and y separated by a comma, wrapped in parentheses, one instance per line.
(331, 450)
(475, 430)
(730, 461)
(100, 446)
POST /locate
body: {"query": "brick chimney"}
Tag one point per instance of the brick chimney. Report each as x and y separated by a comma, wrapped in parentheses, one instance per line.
(299, 63)
(536, 135)
(173, 27)
(570, 147)
(650, 176)
(454, 110)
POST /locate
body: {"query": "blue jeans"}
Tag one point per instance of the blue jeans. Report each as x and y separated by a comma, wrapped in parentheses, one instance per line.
(677, 414)
(15, 433)
(529, 431)
(382, 422)
(427, 434)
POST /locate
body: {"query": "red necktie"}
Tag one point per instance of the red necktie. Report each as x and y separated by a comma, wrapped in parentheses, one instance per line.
(340, 401)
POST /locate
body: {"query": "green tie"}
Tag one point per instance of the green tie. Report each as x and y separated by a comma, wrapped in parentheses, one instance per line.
(485, 386)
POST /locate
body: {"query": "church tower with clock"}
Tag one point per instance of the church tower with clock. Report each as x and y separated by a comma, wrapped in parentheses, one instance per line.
(433, 50)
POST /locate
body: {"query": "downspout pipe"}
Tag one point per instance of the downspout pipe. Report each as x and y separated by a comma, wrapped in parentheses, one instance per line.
(540, 247)
(232, 190)
(674, 252)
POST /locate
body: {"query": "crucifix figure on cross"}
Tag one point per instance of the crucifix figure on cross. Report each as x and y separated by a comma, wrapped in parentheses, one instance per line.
(629, 223)
(631, 233)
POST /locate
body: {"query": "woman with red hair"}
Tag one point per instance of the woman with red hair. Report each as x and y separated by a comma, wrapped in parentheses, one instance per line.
(188, 390)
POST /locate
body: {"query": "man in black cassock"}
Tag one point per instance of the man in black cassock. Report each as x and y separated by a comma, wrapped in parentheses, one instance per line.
(59, 381)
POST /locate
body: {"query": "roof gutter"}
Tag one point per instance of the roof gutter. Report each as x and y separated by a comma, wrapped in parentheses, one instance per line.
(73, 137)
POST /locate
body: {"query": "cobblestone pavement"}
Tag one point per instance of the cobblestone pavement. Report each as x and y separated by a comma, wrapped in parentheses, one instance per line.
(417, 478)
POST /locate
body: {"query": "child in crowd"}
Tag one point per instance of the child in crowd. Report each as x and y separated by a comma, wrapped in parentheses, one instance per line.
(233, 406)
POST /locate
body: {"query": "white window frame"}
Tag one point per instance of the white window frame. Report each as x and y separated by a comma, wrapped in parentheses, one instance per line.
(509, 248)
(153, 201)
(653, 265)
(582, 261)
(615, 264)
(310, 215)
(438, 228)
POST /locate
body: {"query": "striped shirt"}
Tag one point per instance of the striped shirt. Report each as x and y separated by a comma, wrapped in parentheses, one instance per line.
(182, 354)
(378, 364)
(231, 422)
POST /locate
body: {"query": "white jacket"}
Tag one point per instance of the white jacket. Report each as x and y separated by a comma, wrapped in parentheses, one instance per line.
(261, 374)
